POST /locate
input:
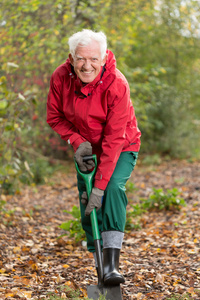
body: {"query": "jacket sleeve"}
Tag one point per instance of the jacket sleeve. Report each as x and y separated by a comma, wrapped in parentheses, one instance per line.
(55, 115)
(114, 135)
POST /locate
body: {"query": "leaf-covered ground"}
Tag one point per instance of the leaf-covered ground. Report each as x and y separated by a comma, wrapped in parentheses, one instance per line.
(158, 260)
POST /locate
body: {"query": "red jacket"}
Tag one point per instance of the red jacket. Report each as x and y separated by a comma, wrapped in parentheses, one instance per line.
(100, 112)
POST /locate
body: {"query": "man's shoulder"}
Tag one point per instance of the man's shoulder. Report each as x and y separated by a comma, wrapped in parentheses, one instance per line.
(119, 84)
(120, 77)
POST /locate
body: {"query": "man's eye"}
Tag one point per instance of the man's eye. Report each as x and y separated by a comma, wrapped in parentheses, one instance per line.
(94, 59)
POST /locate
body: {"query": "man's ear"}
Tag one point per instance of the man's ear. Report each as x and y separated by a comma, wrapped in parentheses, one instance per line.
(71, 59)
(104, 60)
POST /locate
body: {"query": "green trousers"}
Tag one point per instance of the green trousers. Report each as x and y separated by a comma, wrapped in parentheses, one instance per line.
(112, 215)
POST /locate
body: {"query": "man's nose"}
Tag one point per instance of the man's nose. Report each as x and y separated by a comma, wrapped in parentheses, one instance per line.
(87, 63)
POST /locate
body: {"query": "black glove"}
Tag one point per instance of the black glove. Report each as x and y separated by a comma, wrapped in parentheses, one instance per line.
(95, 201)
(84, 149)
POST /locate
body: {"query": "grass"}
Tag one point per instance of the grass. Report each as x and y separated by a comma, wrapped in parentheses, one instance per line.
(185, 296)
(65, 292)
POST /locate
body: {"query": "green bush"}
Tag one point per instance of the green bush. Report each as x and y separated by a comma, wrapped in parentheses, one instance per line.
(180, 297)
(130, 187)
(2, 204)
(74, 227)
(19, 162)
(13, 107)
(162, 111)
(160, 200)
(38, 171)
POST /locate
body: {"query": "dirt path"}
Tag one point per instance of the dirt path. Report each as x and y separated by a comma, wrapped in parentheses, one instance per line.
(161, 258)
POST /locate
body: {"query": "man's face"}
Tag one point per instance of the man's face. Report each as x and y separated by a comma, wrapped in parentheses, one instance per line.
(87, 62)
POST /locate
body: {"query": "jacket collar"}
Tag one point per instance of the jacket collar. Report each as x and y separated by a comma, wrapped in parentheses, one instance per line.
(87, 88)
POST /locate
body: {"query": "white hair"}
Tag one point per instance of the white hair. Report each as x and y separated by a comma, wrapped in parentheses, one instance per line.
(84, 38)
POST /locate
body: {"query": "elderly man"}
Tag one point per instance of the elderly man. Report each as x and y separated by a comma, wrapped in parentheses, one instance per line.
(89, 106)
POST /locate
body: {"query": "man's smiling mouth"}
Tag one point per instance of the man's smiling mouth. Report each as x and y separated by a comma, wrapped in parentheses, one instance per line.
(87, 72)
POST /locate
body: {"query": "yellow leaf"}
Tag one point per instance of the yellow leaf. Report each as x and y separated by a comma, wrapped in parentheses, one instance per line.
(139, 296)
(195, 241)
(2, 270)
(70, 284)
(184, 188)
(52, 60)
(65, 266)
(3, 197)
(84, 292)
(65, 18)
(27, 294)
(56, 32)
(34, 267)
(9, 295)
(162, 70)
(23, 45)
(2, 51)
(16, 249)
(58, 279)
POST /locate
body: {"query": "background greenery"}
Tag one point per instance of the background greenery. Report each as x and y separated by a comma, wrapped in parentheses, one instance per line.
(156, 44)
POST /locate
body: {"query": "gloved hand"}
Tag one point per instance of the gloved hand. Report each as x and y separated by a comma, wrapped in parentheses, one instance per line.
(84, 198)
(84, 149)
(95, 201)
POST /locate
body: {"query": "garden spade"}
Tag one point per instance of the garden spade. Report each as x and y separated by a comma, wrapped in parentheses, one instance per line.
(95, 291)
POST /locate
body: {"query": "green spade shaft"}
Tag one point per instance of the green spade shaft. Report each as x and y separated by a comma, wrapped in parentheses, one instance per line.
(88, 179)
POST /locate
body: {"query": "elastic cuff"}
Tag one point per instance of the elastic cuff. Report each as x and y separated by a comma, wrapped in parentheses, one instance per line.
(97, 191)
(76, 143)
(112, 239)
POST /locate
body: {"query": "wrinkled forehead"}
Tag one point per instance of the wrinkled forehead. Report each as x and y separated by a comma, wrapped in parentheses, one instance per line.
(88, 43)
(92, 49)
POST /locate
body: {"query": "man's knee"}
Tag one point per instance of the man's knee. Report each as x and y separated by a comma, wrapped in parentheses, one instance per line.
(115, 184)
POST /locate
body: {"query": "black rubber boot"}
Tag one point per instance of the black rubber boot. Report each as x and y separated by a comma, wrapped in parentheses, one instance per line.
(111, 267)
